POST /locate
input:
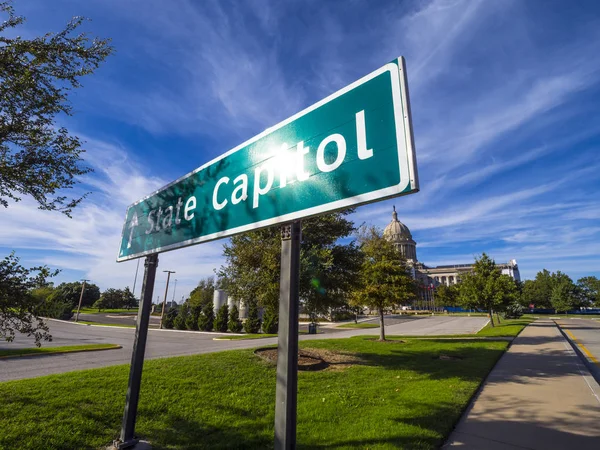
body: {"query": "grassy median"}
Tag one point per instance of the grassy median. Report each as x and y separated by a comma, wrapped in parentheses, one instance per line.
(392, 394)
(14, 352)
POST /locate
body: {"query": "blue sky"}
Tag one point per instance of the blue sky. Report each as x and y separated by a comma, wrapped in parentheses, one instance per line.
(504, 97)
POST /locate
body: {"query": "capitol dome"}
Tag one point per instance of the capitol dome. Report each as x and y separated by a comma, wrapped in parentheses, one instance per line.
(399, 234)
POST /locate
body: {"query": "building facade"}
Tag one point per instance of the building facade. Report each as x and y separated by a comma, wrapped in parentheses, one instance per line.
(399, 234)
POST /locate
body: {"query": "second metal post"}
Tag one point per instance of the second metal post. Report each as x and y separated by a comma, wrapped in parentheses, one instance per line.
(287, 348)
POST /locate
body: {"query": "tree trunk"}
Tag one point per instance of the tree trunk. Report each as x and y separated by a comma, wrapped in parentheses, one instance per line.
(498, 317)
(381, 327)
(491, 313)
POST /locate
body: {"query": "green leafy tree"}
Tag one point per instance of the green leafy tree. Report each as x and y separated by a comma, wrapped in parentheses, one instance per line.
(70, 293)
(39, 158)
(563, 297)
(384, 278)
(234, 324)
(446, 295)
(538, 291)
(203, 293)
(486, 288)
(253, 322)
(270, 320)
(221, 319)
(128, 299)
(112, 298)
(100, 304)
(20, 311)
(206, 318)
(589, 287)
(181, 319)
(327, 270)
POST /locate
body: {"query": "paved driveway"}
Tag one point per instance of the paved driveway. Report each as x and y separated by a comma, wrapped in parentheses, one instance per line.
(165, 343)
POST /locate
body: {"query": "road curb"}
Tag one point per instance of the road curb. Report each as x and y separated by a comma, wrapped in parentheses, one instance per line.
(591, 367)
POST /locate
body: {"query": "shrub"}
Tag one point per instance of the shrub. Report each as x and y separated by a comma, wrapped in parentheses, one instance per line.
(270, 321)
(191, 322)
(180, 320)
(169, 318)
(220, 323)
(56, 308)
(206, 318)
(234, 324)
(252, 323)
(513, 311)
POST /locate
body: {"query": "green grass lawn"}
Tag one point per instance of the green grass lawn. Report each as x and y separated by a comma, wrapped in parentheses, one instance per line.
(49, 350)
(121, 325)
(508, 327)
(106, 311)
(359, 325)
(397, 395)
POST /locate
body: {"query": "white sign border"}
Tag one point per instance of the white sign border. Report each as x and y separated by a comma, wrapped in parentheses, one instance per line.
(406, 161)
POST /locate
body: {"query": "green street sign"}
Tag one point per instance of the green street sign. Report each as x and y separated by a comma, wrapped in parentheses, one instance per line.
(351, 148)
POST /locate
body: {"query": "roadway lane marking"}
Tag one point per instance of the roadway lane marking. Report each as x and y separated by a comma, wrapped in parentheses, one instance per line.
(582, 347)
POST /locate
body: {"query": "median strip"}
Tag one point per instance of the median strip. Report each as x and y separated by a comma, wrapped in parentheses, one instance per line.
(20, 352)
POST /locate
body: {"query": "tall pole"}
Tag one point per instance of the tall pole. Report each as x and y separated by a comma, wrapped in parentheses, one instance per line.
(174, 289)
(80, 299)
(162, 314)
(287, 347)
(127, 439)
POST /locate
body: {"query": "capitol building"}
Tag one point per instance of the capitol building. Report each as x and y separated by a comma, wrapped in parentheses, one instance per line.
(399, 234)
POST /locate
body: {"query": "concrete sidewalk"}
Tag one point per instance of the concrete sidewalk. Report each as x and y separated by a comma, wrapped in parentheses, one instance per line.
(539, 396)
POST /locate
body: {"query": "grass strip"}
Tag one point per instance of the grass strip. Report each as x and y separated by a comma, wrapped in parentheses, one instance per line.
(120, 325)
(15, 352)
(395, 395)
(359, 325)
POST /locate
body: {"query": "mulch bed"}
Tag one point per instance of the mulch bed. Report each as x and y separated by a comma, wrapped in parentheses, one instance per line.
(312, 359)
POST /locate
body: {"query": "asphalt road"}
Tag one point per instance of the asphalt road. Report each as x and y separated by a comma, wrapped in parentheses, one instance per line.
(587, 335)
(166, 343)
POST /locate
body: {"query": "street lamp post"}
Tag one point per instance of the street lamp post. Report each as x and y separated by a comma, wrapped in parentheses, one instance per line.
(80, 299)
(174, 289)
(162, 314)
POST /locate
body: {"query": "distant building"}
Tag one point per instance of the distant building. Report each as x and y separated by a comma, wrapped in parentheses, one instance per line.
(400, 236)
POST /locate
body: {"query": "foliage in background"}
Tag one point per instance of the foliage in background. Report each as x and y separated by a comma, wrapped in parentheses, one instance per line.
(207, 317)
(234, 325)
(70, 293)
(327, 269)
(39, 158)
(513, 311)
(182, 315)
(446, 295)
(221, 319)
(169, 318)
(203, 293)
(193, 316)
(19, 310)
(589, 291)
(270, 323)
(253, 322)
(485, 287)
(115, 299)
(384, 280)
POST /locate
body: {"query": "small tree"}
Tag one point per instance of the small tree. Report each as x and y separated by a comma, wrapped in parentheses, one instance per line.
(253, 322)
(100, 304)
(221, 319)
(180, 321)
(270, 323)
(384, 277)
(206, 318)
(234, 324)
(193, 316)
(562, 297)
(128, 300)
(169, 320)
(486, 288)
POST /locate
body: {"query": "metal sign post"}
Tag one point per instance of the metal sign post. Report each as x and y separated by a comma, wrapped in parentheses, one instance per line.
(287, 348)
(127, 438)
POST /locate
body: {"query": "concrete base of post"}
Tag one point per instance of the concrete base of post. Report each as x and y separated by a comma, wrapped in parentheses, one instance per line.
(138, 445)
